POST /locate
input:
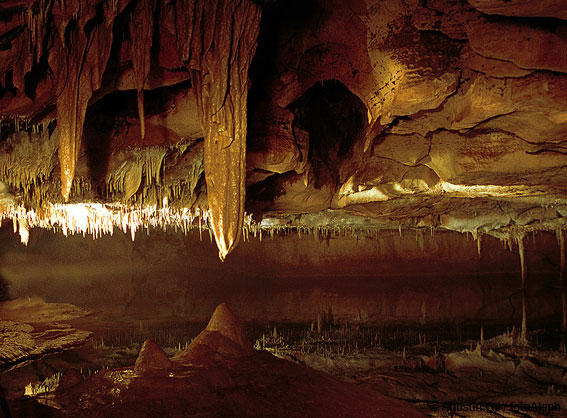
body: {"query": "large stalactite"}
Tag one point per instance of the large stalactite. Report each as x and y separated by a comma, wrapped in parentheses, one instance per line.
(227, 43)
(141, 30)
(81, 52)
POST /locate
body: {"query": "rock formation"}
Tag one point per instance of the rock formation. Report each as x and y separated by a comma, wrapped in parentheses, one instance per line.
(224, 334)
(440, 114)
(151, 359)
(28, 331)
(207, 381)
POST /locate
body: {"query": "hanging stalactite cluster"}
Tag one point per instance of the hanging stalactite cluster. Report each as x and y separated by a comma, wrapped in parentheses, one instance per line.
(24, 150)
(216, 41)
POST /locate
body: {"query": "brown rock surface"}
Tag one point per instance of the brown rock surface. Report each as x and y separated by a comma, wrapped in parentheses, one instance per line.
(300, 107)
(224, 334)
(69, 378)
(213, 383)
(36, 335)
(151, 359)
(532, 45)
(545, 8)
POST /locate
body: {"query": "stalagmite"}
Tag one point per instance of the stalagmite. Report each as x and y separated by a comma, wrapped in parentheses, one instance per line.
(141, 28)
(221, 84)
(82, 53)
(563, 286)
(524, 331)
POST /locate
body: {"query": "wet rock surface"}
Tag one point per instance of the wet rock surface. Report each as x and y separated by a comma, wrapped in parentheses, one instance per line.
(206, 379)
(352, 106)
(379, 367)
(151, 359)
(28, 331)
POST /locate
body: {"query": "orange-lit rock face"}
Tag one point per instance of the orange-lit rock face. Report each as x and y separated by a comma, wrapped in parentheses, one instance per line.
(141, 28)
(222, 89)
(79, 58)
(444, 114)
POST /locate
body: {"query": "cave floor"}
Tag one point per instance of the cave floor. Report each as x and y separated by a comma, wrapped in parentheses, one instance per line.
(436, 371)
(440, 378)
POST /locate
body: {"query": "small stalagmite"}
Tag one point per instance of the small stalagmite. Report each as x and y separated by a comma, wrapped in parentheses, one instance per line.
(152, 359)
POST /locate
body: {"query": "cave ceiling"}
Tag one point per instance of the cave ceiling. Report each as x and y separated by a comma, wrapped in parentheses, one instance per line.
(246, 117)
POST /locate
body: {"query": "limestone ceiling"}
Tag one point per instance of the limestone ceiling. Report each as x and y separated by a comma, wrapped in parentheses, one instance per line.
(289, 114)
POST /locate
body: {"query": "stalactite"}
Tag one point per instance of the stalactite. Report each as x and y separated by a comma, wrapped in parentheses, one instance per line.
(141, 29)
(97, 219)
(20, 61)
(220, 79)
(523, 267)
(36, 24)
(152, 159)
(28, 163)
(479, 244)
(563, 287)
(80, 59)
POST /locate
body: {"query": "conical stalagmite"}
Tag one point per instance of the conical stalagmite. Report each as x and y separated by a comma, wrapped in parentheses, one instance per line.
(80, 56)
(221, 85)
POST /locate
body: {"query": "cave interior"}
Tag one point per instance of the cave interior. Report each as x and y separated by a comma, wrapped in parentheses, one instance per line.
(283, 208)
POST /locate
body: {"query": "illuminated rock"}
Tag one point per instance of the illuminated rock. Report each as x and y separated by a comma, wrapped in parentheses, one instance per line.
(224, 334)
(207, 109)
(152, 359)
(82, 53)
(222, 89)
